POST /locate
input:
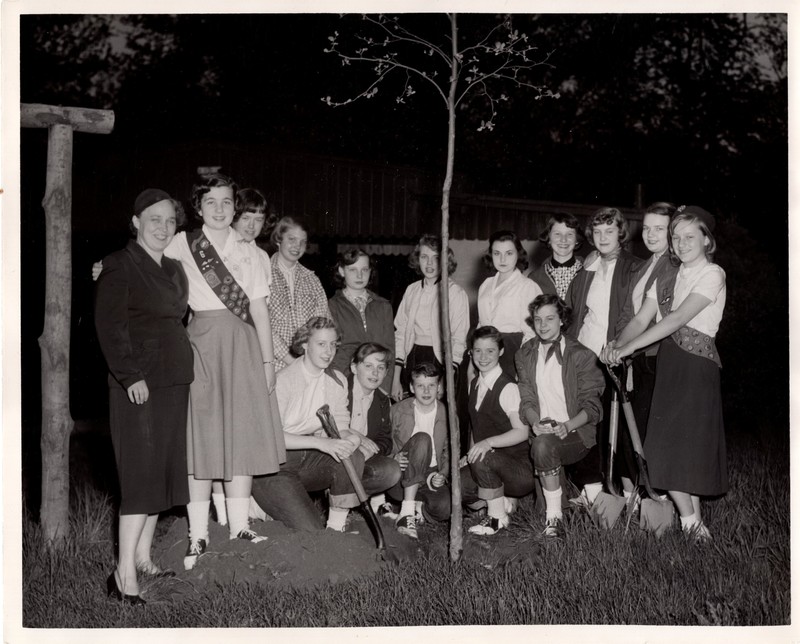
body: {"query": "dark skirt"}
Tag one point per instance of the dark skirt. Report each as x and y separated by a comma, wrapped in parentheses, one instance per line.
(644, 380)
(685, 445)
(150, 449)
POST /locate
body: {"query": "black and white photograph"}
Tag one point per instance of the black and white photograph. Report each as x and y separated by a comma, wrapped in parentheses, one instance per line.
(352, 317)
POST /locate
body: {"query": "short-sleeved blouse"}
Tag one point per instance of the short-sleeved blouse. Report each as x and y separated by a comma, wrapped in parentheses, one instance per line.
(708, 280)
(239, 257)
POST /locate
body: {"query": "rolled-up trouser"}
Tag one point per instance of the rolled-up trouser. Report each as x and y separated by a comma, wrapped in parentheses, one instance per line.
(549, 452)
(503, 472)
(436, 502)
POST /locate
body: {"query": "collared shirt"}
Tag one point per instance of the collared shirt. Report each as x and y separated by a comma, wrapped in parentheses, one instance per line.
(300, 393)
(595, 325)
(509, 397)
(239, 257)
(362, 401)
(423, 423)
(550, 385)
(505, 304)
(360, 303)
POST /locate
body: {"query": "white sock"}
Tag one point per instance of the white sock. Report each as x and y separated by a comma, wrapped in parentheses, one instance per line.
(377, 501)
(418, 508)
(496, 508)
(198, 519)
(408, 508)
(592, 490)
(219, 505)
(552, 500)
(238, 515)
(336, 518)
(687, 523)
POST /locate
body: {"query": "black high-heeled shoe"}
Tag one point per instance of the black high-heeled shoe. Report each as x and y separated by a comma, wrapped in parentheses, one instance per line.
(115, 593)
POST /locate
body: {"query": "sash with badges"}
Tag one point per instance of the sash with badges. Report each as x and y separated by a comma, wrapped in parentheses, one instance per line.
(218, 277)
(690, 340)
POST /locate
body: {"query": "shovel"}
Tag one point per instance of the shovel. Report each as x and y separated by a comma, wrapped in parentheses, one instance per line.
(608, 506)
(329, 425)
(655, 515)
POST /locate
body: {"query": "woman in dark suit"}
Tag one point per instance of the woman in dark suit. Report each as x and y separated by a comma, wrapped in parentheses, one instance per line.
(140, 302)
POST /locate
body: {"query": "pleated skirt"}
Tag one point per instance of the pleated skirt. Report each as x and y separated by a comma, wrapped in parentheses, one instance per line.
(234, 427)
(150, 449)
(685, 444)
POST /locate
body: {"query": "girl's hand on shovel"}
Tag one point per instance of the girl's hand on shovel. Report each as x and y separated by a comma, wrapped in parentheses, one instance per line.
(338, 448)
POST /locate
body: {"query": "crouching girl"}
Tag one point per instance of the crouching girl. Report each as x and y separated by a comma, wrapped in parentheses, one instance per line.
(302, 388)
(560, 386)
(497, 462)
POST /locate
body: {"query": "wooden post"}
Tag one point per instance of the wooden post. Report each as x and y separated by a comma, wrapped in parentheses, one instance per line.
(54, 342)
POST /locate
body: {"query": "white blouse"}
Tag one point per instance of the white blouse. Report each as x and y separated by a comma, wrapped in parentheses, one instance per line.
(239, 257)
(594, 332)
(550, 385)
(706, 279)
(505, 305)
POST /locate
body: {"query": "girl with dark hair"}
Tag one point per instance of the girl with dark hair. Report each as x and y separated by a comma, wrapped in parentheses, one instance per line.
(563, 237)
(496, 468)
(685, 442)
(417, 336)
(560, 385)
(503, 299)
(233, 427)
(297, 294)
(361, 315)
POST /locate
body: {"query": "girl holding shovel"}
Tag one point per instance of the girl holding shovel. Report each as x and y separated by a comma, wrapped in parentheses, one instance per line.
(686, 435)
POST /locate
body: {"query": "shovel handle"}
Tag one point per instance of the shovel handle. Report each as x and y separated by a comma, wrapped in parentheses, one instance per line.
(636, 440)
(329, 425)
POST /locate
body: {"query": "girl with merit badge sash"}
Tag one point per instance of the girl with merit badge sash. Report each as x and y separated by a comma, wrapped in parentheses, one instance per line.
(234, 429)
(685, 435)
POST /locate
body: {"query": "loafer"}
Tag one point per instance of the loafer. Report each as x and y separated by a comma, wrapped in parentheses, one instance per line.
(115, 593)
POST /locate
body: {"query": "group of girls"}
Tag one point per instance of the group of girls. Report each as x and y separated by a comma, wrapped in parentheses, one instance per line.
(533, 366)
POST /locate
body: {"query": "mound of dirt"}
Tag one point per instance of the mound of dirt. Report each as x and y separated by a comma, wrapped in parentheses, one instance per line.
(287, 558)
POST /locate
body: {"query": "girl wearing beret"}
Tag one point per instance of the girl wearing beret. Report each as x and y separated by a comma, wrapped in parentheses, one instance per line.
(686, 437)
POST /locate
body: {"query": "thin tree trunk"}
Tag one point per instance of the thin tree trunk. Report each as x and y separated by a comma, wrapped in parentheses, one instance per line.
(456, 529)
(55, 341)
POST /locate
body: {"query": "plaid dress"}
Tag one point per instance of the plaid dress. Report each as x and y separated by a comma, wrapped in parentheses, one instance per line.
(287, 313)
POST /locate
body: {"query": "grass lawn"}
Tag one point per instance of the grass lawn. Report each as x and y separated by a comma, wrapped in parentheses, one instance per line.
(742, 577)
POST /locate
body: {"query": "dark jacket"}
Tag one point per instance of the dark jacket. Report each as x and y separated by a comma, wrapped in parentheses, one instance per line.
(621, 286)
(139, 309)
(403, 426)
(663, 268)
(544, 281)
(379, 422)
(583, 384)
(380, 329)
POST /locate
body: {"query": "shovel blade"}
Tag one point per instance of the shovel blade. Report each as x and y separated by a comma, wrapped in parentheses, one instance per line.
(656, 516)
(606, 509)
